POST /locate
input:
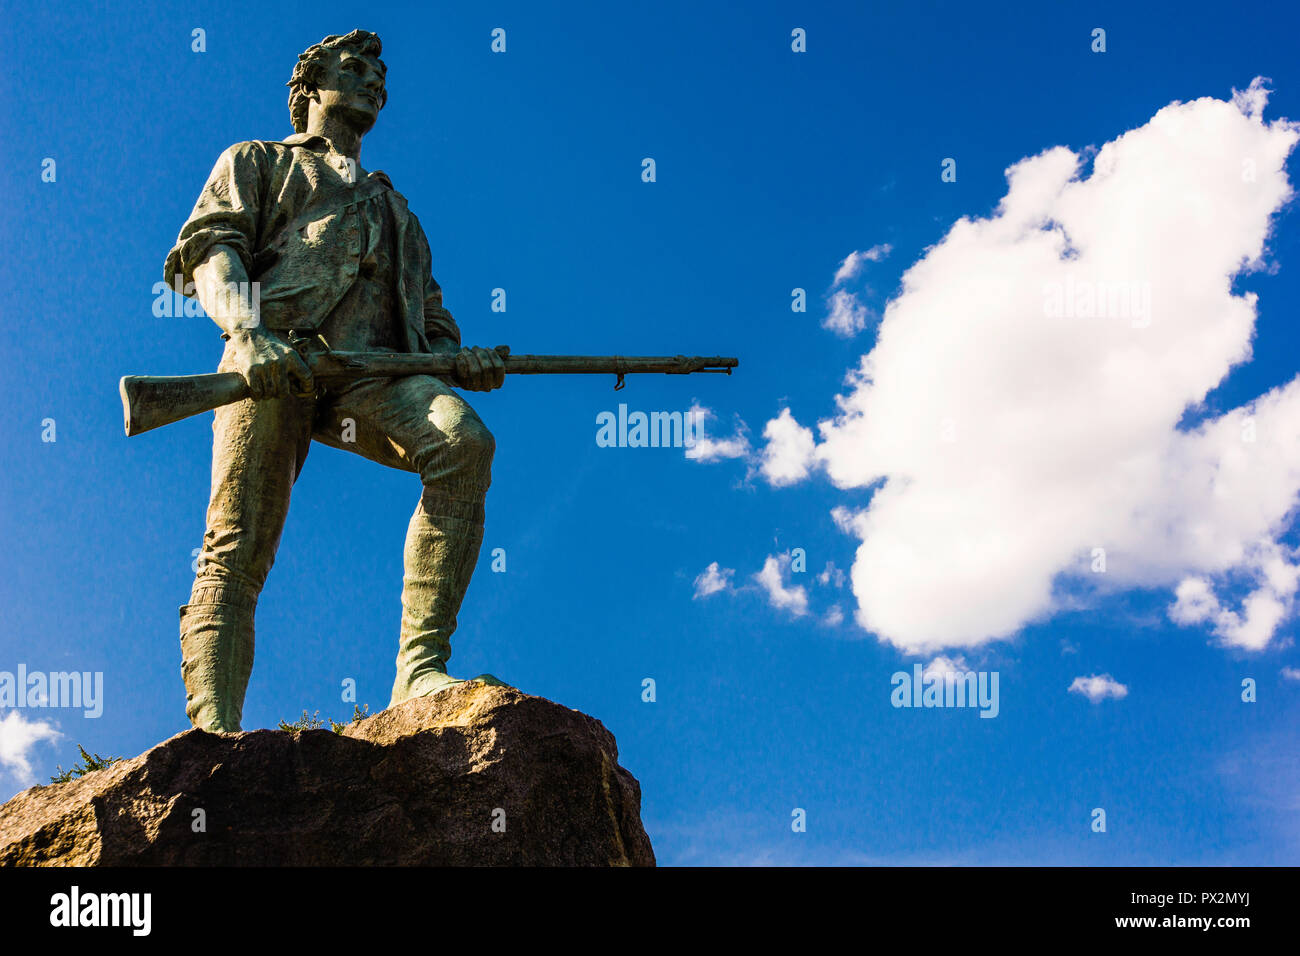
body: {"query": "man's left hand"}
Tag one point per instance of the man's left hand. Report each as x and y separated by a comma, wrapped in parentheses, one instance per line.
(481, 370)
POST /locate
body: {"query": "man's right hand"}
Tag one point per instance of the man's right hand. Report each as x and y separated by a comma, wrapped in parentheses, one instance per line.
(271, 368)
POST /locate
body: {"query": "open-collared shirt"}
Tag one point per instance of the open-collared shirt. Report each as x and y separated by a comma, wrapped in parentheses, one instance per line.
(302, 221)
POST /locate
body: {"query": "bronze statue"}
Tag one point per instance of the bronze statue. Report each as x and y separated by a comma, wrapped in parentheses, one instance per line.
(335, 252)
(319, 277)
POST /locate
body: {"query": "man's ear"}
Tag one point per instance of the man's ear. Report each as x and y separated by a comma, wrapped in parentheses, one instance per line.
(310, 88)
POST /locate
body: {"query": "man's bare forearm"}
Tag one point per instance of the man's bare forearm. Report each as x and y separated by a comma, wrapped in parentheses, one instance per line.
(268, 365)
(222, 286)
(225, 292)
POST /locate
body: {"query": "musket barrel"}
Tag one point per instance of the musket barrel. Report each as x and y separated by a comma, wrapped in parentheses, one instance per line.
(354, 364)
(151, 401)
(615, 364)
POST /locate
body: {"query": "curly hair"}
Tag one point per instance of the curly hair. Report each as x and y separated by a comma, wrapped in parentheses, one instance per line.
(307, 71)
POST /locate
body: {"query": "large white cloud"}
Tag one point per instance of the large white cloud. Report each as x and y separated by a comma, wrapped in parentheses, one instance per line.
(1020, 407)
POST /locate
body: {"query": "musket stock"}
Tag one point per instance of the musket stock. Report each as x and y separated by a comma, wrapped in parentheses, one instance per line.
(151, 401)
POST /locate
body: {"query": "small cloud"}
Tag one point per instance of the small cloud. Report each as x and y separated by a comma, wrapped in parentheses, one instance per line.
(1291, 673)
(854, 262)
(788, 455)
(834, 617)
(17, 738)
(1252, 100)
(1194, 602)
(795, 599)
(712, 580)
(943, 666)
(1262, 610)
(703, 448)
(847, 315)
(831, 576)
(1098, 687)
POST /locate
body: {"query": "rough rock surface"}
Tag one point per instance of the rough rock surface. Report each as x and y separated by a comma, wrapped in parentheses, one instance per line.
(417, 784)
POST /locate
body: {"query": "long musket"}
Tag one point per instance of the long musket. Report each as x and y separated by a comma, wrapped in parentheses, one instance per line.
(151, 401)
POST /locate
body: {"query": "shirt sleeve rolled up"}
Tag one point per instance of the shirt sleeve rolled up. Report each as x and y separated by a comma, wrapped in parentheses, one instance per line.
(438, 323)
(226, 213)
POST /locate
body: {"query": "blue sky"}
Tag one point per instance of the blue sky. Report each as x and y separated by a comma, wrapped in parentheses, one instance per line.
(525, 168)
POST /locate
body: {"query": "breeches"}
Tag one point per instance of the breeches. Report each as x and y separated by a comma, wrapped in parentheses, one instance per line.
(415, 423)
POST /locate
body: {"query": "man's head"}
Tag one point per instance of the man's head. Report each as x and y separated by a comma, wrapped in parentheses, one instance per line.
(342, 76)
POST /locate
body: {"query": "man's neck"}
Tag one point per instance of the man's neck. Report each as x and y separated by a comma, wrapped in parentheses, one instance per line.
(345, 140)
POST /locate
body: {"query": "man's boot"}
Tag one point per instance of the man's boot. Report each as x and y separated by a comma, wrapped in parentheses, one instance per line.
(439, 560)
(216, 657)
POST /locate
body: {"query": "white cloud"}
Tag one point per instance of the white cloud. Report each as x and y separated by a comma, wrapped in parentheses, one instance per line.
(1010, 435)
(17, 738)
(789, 450)
(847, 315)
(1194, 602)
(712, 580)
(1263, 609)
(704, 448)
(854, 262)
(1291, 673)
(1098, 687)
(1252, 100)
(834, 617)
(831, 576)
(792, 599)
(943, 666)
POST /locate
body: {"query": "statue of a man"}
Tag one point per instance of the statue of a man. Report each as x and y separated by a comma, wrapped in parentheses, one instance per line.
(335, 252)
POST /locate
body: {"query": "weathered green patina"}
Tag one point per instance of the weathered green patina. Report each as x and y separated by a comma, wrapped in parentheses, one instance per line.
(333, 250)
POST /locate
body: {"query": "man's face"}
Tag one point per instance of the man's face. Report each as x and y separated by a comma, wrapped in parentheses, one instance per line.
(351, 88)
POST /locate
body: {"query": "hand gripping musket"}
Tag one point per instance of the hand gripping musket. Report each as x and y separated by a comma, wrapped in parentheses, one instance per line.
(151, 401)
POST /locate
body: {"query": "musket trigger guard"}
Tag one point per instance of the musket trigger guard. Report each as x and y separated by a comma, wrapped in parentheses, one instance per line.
(619, 371)
(305, 345)
(299, 343)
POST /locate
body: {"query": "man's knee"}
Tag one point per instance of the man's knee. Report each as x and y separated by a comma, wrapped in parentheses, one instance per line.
(472, 439)
(458, 460)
